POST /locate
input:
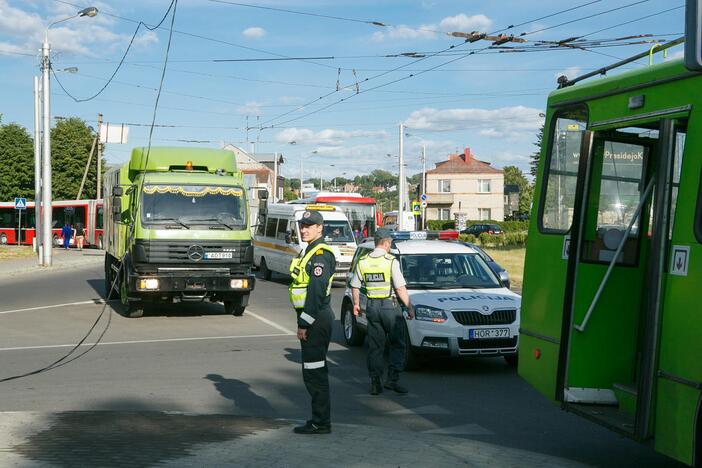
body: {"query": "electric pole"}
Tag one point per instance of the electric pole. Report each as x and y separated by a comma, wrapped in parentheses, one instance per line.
(37, 169)
(401, 184)
(46, 157)
(98, 194)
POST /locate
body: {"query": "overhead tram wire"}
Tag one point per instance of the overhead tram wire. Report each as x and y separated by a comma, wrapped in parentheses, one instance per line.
(124, 56)
(206, 38)
(636, 20)
(65, 358)
(404, 66)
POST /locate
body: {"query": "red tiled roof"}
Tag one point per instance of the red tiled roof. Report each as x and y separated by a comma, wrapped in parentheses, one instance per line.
(463, 164)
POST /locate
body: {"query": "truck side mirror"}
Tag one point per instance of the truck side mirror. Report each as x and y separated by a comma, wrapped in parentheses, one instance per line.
(263, 194)
(117, 206)
(117, 191)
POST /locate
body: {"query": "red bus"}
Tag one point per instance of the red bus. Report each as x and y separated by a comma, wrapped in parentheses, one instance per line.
(361, 211)
(87, 212)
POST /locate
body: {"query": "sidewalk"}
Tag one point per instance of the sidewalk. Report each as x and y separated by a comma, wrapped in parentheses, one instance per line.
(61, 260)
(141, 439)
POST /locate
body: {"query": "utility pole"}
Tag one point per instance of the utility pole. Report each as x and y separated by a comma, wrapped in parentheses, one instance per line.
(98, 193)
(301, 175)
(275, 178)
(90, 158)
(424, 184)
(37, 170)
(401, 184)
(46, 163)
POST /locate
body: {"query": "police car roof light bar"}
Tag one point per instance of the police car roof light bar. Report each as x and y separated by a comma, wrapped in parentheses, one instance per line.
(423, 235)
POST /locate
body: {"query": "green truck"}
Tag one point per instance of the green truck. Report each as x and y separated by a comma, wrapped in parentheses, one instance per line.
(177, 230)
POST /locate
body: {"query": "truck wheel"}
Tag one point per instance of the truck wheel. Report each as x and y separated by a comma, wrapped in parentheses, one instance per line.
(352, 334)
(411, 355)
(265, 272)
(234, 307)
(110, 292)
(512, 359)
(135, 309)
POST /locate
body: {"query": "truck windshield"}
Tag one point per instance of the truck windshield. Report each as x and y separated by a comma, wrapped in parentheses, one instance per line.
(337, 231)
(191, 205)
(447, 271)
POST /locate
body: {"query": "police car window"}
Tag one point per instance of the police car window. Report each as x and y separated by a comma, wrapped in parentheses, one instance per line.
(447, 271)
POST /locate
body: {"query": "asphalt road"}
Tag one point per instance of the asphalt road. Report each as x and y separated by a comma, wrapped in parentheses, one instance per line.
(193, 358)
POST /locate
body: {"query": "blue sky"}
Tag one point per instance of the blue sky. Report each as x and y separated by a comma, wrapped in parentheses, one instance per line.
(489, 101)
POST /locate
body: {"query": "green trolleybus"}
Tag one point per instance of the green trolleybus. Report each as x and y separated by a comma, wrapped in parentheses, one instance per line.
(612, 300)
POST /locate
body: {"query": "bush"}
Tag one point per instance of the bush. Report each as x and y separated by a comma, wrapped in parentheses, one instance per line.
(467, 238)
(440, 225)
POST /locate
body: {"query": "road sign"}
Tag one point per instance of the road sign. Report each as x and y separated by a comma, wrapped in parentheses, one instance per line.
(416, 208)
(423, 197)
(20, 203)
(680, 260)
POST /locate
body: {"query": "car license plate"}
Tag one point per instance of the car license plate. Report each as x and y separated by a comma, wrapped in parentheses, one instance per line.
(486, 333)
(216, 255)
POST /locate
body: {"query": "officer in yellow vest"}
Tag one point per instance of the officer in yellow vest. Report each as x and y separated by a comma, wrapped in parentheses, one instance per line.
(310, 294)
(380, 273)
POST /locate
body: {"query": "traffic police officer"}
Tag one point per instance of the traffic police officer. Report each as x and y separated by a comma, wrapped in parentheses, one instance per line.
(310, 293)
(380, 273)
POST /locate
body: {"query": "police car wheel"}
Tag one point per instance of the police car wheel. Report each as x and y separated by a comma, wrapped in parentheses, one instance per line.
(265, 272)
(352, 334)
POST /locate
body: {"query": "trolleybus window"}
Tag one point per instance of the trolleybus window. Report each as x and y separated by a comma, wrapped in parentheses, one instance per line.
(561, 173)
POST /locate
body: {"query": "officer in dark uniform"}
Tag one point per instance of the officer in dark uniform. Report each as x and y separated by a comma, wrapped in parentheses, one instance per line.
(310, 294)
(380, 274)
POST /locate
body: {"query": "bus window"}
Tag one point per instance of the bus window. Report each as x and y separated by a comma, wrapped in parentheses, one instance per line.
(282, 229)
(100, 217)
(561, 173)
(680, 137)
(271, 224)
(7, 218)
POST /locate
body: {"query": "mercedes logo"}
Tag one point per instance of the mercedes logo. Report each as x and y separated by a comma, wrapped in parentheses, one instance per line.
(196, 253)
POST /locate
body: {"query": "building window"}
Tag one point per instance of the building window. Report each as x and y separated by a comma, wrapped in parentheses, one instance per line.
(506, 199)
(445, 186)
(444, 214)
(484, 214)
(483, 185)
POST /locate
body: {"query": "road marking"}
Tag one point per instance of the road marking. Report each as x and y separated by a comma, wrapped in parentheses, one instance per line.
(465, 429)
(164, 340)
(429, 409)
(332, 361)
(92, 301)
(270, 322)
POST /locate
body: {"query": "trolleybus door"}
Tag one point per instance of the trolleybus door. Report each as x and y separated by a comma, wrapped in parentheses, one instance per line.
(619, 231)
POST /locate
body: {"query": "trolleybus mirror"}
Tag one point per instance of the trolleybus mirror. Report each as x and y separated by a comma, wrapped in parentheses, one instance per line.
(263, 194)
(117, 206)
(117, 191)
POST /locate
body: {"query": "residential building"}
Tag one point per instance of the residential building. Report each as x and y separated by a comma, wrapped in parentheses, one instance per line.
(465, 187)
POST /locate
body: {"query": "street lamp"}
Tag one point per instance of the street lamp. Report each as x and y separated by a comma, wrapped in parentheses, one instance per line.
(302, 158)
(424, 174)
(46, 169)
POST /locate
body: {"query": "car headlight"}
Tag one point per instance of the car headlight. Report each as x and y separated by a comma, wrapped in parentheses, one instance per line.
(148, 284)
(429, 314)
(239, 284)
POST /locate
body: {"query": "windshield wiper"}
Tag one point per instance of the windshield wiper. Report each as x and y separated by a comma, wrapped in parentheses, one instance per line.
(218, 219)
(177, 220)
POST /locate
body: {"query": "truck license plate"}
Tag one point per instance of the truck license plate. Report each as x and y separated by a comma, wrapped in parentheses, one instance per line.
(485, 333)
(216, 255)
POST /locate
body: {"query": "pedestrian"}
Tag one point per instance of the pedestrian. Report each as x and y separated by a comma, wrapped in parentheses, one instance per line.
(66, 232)
(310, 294)
(80, 235)
(365, 230)
(380, 273)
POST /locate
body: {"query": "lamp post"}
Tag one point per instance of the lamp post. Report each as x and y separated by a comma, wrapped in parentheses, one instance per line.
(424, 175)
(302, 159)
(46, 157)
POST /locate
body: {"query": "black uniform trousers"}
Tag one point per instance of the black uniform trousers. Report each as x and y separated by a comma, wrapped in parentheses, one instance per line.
(385, 321)
(314, 366)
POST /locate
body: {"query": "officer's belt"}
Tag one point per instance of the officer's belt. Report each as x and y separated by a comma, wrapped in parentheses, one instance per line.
(387, 302)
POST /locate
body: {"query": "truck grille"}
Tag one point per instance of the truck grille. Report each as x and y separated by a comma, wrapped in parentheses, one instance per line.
(190, 252)
(497, 317)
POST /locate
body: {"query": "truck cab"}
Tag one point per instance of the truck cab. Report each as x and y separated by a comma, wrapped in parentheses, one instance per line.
(177, 230)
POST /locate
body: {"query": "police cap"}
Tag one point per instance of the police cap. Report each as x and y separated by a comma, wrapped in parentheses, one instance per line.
(382, 233)
(311, 217)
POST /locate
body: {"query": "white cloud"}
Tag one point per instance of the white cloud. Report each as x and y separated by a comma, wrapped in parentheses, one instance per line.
(677, 55)
(459, 22)
(23, 31)
(570, 72)
(250, 108)
(465, 23)
(254, 32)
(327, 136)
(503, 122)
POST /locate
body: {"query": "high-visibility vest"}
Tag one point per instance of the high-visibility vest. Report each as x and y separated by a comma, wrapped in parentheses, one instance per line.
(376, 275)
(300, 279)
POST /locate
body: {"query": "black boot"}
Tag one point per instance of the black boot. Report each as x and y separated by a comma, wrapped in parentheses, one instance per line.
(376, 388)
(311, 428)
(393, 385)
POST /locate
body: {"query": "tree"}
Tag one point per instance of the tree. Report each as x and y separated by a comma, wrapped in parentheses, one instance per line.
(16, 162)
(71, 141)
(536, 155)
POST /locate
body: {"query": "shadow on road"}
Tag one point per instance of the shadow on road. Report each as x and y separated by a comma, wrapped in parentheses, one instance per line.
(241, 395)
